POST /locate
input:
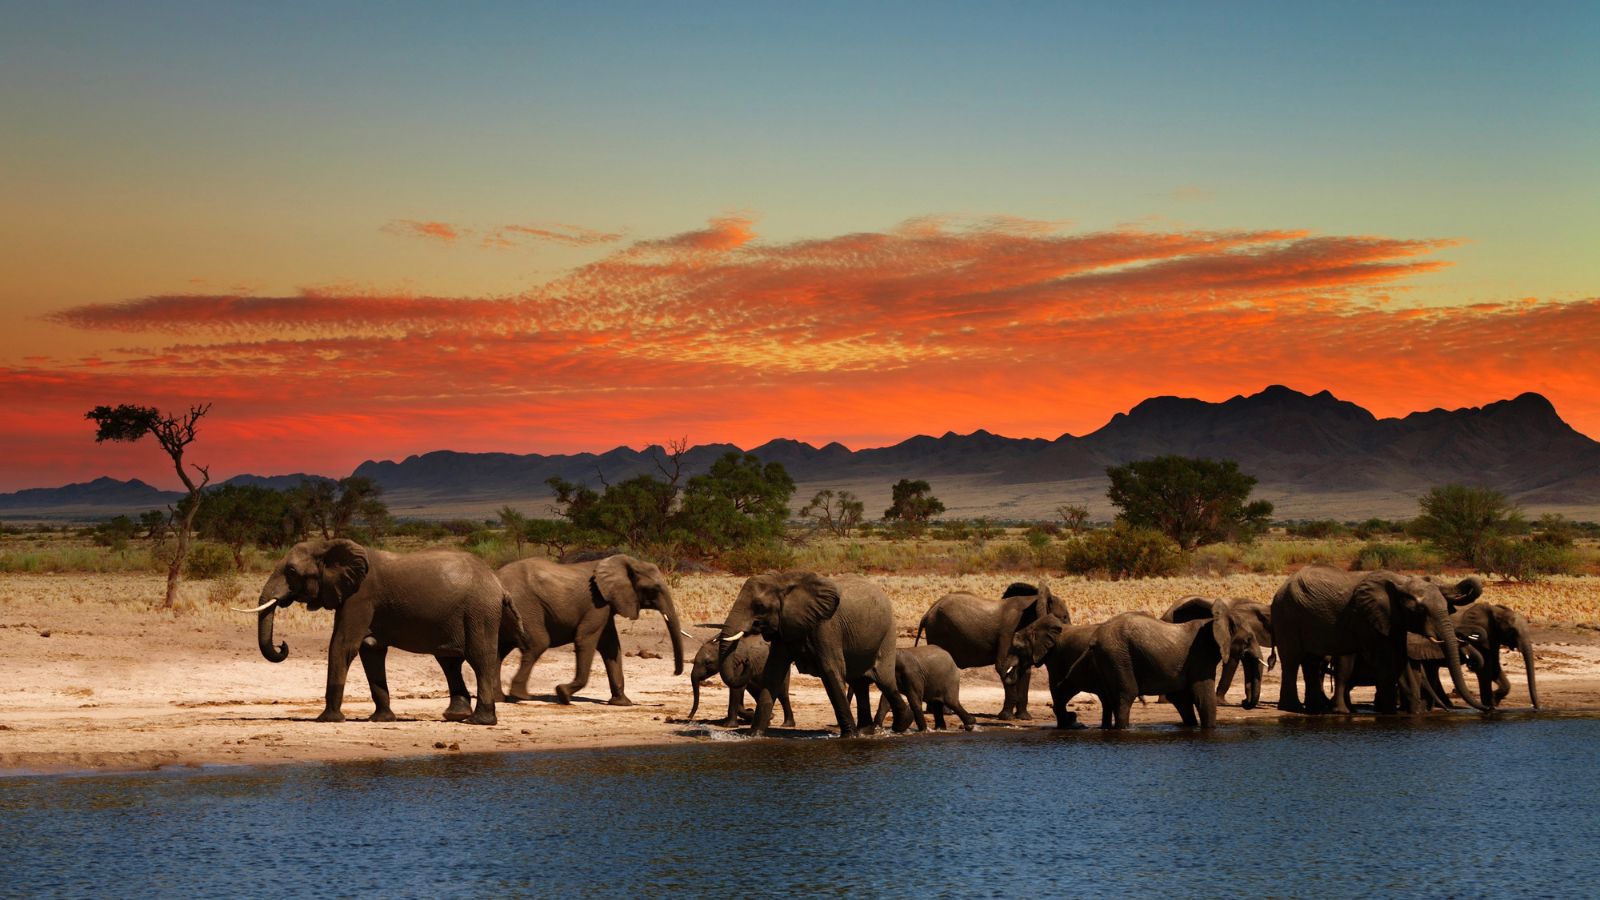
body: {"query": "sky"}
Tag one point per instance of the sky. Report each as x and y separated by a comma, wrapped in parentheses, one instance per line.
(364, 231)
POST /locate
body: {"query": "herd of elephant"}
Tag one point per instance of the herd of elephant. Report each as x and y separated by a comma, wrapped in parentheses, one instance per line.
(1391, 631)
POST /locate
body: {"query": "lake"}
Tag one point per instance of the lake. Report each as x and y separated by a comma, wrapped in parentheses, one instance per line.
(1446, 805)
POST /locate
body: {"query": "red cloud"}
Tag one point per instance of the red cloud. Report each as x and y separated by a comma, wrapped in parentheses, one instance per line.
(1004, 324)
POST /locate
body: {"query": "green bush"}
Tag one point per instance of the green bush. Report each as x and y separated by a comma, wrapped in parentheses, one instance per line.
(753, 559)
(1317, 528)
(1376, 555)
(1529, 560)
(1123, 551)
(208, 560)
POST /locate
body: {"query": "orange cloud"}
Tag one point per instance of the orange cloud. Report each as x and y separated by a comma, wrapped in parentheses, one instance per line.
(436, 231)
(1010, 325)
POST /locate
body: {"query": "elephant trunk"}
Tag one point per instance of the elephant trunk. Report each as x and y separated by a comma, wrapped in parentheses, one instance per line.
(1452, 655)
(696, 706)
(264, 618)
(674, 631)
(1252, 681)
(1525, 646)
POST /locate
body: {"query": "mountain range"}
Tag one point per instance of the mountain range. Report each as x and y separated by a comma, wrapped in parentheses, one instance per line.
(1313, 454)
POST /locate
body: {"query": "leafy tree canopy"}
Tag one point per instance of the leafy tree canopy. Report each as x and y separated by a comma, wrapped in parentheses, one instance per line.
(1192, 501)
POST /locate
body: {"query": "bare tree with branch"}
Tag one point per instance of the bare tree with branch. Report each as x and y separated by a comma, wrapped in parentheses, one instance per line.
(173, 433)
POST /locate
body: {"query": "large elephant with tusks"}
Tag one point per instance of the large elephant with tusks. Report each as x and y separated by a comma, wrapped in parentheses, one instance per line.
(1322, 612)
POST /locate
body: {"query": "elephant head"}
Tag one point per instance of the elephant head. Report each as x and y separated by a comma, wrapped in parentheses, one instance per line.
(705, 666)
(785, 606)
(1022, 605)
(1029, 646)
(628, 585)
(320, 574)
(1393, 605)
(1493, 627)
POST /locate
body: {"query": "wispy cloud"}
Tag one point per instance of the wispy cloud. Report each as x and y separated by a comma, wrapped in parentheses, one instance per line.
(502, 237)
(442, 232)
(1013, 325)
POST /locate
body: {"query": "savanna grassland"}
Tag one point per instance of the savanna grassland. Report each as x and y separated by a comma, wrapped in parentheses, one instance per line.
(94, 676)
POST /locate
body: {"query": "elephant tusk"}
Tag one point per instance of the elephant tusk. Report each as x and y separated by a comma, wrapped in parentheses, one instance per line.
(685, 633)
(256, 610)
(735, 636)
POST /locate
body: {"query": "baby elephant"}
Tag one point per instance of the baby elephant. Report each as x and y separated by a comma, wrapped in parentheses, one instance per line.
(741, 671)
(927, 673)
(1057, 644)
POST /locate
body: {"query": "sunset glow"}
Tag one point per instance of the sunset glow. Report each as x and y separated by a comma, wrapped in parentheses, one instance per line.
(497, 308)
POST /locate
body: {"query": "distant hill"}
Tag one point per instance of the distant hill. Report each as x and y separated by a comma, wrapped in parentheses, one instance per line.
(1314, 455)
(105, 497)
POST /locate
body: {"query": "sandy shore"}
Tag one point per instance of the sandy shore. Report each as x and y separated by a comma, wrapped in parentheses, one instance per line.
(93, 680)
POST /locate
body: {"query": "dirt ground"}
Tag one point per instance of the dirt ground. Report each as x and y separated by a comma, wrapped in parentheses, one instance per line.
(91, 678)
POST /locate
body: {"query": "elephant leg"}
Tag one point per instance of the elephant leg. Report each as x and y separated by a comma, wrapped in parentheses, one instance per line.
(372, 658)
(967, 721)
(838, 697)
(735, 706)
(781, 691)
(1225, 677)
(484, 657)
(1386, 694)
(583, 648)
(1125, 689)
(341, 653)
(1288, 690)
(1184, 702)
(915, 701)
(1020, 705)
(762, 717)
(538, 643)
(610, 647)
(864, 720)
(1343, 674)
(1008, 706)
(936, 709)
(1436, 688)
(1502, 688)
(1317, 701)
(460, 699)
(883, 675)
(1065, 718)
(883, 711)
(1204, 695)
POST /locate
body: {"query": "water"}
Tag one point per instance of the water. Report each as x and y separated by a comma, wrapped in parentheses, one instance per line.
(1447, 806)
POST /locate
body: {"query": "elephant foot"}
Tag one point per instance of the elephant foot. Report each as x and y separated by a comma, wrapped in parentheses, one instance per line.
(1295, 707)
(481, 717)
(1024, 716)
(564, 694)
(1005, 715)
(331, 715)
(382, 715)
(848, 733)
(968, 724)
(458, 711)
(788, 722)
(619, 700)
(734, 721)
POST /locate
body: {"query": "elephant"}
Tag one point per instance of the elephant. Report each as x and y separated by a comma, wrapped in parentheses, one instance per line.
(1321, 612)
(841, 630)
(1489, 627)
(1255, 616)
(576, 604)
(1139, 654)
(1058, 645)
(977, 632)
(445, 603)
(741, 671)
(927, 674)
(1419, 687)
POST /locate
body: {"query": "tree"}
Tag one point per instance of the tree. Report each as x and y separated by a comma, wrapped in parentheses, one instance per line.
(913, 504)
(738, 503)
(837, 513)
(1462, 522)
(244, 515)
(515, 525)
(1074, 516)
(1192, 501)
(333, 507)
(174, 433)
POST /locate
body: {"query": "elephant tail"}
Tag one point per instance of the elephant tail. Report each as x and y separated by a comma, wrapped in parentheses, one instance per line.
(920, 626)
(509, 617)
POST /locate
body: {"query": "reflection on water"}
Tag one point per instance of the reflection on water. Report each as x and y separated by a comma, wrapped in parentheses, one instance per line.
(1450, 805)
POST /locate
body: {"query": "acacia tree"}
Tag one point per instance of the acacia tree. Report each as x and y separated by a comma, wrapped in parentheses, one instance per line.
(837, 513)
(914, 504)
(1192, 501)
(174, 433)
(1464, 521)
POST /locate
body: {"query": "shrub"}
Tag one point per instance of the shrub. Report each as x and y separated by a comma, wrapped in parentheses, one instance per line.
(1123, 551)
(1038, 541)
(952, 530)
(1464, 521)
(752, 559)
(208, 560)
(1317, 528)
(1375, 555)
(1529, 560)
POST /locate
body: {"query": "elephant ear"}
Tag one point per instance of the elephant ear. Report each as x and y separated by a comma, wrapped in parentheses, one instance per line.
(807, 599)
(1051, 605)
(1462, 592)
(343, 565)
(1260, 618)
(1222, 629)
(1509, 626)
(1421, 648)
(1373, 600)
(613, 580)
(1189, 609)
